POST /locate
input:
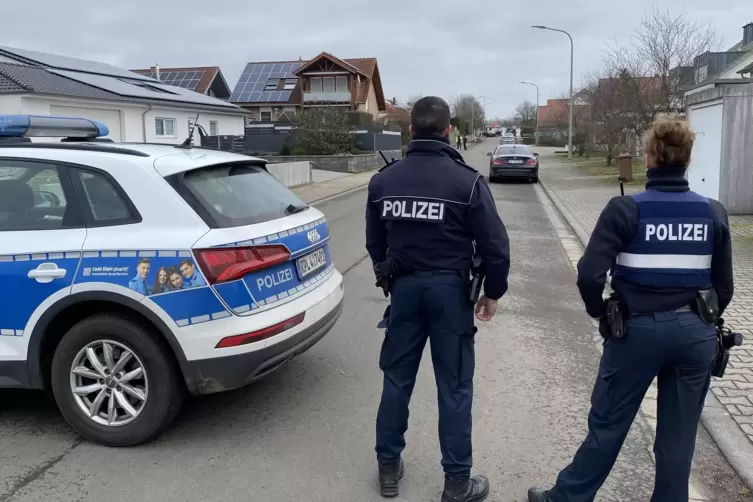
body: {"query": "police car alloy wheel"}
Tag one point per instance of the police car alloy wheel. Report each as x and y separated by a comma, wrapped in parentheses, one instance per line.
(115, 381)
(109, 383)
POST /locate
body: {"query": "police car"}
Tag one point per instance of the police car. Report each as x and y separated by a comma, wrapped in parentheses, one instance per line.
(135, 274)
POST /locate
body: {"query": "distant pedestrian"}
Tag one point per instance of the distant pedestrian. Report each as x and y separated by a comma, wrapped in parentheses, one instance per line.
(459, 140)
(465, 142)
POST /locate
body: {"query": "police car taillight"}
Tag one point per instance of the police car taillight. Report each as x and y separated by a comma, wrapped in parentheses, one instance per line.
(531, 162)
(229, 264)
(262, 334)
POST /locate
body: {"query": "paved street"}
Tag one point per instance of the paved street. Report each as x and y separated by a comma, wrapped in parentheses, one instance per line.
(306, 432)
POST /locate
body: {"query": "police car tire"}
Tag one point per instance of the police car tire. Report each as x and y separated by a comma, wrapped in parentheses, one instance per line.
(166, 390)
(535, 179)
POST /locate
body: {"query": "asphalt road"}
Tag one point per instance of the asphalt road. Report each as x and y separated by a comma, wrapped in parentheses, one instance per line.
(306, 432)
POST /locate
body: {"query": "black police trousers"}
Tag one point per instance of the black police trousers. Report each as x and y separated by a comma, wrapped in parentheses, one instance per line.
(433, 306)
(676, 347)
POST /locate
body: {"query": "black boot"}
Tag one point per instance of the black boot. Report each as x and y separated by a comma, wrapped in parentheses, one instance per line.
(389, 478)
(538, 495)
(473, 489)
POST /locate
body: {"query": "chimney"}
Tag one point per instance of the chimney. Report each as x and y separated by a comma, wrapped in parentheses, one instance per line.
(394, 101)
(156, 71)
(748, 33)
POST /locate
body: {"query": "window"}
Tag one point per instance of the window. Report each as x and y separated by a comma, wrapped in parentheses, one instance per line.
(103, 204)
(32, 197)
(316, 84)
(231, 195)
(213, 128)
(328, 84)
(290, 84)
(164, 128)
(341, 84)
(513, 149)
(266, 116)
(272, 84)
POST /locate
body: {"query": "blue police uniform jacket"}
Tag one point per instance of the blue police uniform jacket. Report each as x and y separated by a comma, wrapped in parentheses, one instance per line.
(662, 245)
(430, 211)
(674, 243)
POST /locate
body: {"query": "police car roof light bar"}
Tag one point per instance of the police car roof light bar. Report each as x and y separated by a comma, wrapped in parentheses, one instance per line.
(232, 263)
(42, 126)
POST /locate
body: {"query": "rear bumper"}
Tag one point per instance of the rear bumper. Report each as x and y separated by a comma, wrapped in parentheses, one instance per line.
(514, 172)
(220, 374)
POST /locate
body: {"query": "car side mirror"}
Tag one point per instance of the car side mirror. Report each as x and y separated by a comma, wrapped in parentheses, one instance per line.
(535, 154)
(489, 154)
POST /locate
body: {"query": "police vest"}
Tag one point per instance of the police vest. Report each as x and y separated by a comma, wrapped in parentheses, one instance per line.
(674, 243)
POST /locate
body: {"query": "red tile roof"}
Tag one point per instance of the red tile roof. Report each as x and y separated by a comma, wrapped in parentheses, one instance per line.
(210, 72)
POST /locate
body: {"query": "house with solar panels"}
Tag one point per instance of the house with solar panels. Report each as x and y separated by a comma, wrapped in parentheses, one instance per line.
(271, 89)
(135, 107)
(206, 80)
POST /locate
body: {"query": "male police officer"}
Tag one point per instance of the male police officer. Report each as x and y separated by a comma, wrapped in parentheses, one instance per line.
(671, 258)
(423, 216)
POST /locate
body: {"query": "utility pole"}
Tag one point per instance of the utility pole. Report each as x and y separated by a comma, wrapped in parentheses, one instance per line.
(570, 104)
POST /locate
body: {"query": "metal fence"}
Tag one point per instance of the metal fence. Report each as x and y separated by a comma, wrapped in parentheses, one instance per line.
(271, 137)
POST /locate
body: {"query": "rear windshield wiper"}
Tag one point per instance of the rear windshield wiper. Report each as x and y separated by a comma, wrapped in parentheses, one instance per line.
(293, 209)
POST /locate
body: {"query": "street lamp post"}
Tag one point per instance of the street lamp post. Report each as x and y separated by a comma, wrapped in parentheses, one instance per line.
(570, 104)
(536, 135)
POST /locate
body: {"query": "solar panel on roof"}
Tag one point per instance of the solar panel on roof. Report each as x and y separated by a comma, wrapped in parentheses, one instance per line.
(185, 79)
(254, 78)
(68, 63)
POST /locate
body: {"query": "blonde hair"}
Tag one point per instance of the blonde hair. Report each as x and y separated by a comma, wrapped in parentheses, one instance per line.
(669, 143)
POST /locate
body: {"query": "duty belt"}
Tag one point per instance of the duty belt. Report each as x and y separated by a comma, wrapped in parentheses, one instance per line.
(686, 308)
(429, 273)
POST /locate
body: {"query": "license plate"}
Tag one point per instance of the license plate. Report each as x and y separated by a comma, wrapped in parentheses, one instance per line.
(311, 262)
(514, 161)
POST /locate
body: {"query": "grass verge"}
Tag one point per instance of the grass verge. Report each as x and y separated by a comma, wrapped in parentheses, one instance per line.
(596, 165)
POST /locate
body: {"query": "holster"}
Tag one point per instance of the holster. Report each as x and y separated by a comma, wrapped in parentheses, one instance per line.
(615, 319)
(706, 305)
(477, 279)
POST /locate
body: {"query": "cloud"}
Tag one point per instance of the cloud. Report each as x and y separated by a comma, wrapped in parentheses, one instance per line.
(425, 47)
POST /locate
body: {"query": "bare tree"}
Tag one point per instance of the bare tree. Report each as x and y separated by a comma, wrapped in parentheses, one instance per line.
(468, 109)
(605, 122)
(324, 131)
(525, 112)
(653, 68)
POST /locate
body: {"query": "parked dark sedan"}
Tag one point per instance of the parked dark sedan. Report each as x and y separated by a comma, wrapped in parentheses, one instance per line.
(514, 161)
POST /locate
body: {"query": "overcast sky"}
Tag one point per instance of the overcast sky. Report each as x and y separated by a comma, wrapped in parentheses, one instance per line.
(424, 47)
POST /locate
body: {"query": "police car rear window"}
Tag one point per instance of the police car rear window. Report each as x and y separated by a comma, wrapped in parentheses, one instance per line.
(231, 195)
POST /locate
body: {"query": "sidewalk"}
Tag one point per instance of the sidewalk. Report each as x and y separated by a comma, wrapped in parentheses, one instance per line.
(728, 415)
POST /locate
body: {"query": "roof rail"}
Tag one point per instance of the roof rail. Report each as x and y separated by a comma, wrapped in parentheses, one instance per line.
(82, 147)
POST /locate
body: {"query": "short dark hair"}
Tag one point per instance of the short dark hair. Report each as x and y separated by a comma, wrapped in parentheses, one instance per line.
(144, 260)
(185, 262)
(430, 117)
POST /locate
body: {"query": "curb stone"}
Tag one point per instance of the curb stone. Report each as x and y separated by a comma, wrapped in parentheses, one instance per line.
(726, 433)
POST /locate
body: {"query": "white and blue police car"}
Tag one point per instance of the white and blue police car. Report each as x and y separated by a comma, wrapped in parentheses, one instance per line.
(136, 274)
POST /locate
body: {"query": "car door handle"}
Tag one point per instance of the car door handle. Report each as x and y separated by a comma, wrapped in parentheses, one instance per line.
(47, 272)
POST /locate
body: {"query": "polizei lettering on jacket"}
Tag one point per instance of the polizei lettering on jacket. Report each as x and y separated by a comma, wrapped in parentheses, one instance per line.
(413, 210)
(693, 232)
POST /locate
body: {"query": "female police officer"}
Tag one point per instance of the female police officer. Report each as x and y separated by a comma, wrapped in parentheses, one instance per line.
(663, 246)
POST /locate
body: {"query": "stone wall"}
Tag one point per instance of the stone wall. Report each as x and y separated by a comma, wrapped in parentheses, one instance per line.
(339, 163)
(291, 174)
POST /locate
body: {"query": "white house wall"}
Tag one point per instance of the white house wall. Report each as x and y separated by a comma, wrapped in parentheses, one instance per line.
(134, 118)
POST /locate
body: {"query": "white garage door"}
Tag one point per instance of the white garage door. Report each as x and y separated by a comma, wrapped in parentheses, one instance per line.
(705, 170)
(111, 118)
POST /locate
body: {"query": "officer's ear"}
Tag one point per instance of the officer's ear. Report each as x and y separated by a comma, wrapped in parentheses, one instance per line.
(410, 129)
(448, 131)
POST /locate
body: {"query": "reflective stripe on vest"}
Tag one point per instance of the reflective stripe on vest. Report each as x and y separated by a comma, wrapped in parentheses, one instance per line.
(674, 243)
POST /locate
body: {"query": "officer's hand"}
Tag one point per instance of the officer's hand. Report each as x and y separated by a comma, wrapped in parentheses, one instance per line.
(485, 308)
